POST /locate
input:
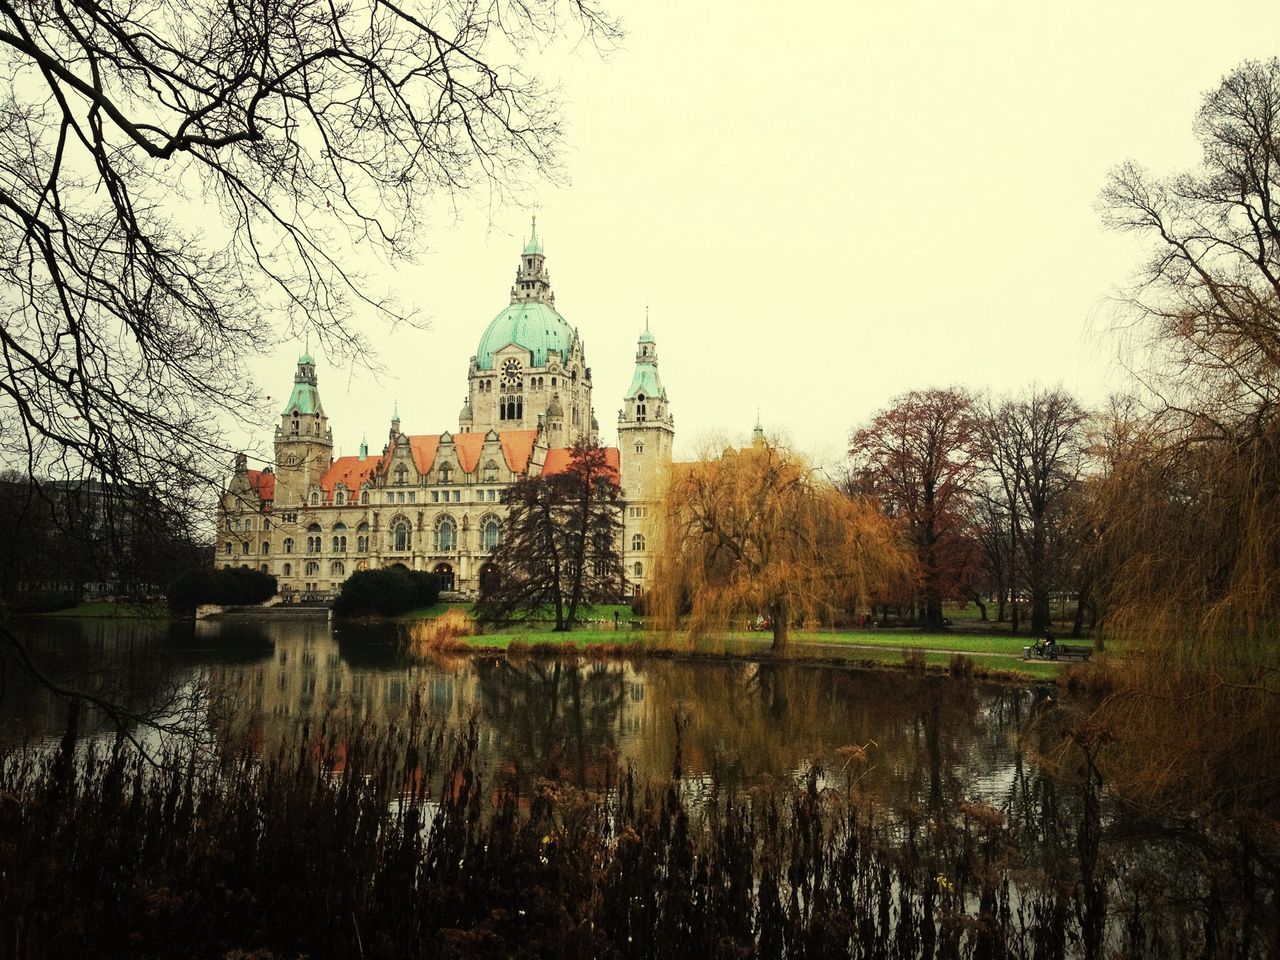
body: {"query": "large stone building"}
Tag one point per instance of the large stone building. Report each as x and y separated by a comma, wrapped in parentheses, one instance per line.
(434, 501)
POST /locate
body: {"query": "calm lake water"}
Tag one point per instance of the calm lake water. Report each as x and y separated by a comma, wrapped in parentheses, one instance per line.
(932, 744)
(928, 739)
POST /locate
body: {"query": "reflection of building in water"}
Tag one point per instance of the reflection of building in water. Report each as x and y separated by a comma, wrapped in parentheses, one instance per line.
(928, 741)
(535, 716)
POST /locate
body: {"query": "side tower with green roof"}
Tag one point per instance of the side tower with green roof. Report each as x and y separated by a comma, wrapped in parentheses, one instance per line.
(304, 442)
(646, 433)
(527, 356)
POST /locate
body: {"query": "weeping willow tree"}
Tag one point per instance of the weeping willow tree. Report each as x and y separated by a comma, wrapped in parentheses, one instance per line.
(755, 532)
(1187, 501)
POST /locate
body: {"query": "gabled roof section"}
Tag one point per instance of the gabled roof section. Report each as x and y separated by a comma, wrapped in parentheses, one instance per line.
(558, 459)
(469, 446)
(351, 471)
(517, 447)
(263, 483)
(423, 446)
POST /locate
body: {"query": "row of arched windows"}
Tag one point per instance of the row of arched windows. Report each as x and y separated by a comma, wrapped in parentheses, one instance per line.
(511, 408)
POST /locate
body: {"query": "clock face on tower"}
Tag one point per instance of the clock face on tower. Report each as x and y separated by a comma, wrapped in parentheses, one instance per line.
(511, 371)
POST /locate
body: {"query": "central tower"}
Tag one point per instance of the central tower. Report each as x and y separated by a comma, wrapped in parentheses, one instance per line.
(529, 371)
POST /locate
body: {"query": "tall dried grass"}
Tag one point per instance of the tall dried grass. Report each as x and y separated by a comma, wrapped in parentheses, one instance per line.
(443, 634)
(349, 841)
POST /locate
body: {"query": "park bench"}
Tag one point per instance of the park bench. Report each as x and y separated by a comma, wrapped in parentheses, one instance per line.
(1063, 652)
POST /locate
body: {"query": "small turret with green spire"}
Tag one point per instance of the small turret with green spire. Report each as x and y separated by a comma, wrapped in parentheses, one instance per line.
(757, 435)
(533, 282)
(534, 245)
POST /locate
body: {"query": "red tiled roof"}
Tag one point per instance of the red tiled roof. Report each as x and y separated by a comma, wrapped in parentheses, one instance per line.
(558, 460)
(263, 483)
(517, 447)
(424, 451)
(469, 446)
(351, 471)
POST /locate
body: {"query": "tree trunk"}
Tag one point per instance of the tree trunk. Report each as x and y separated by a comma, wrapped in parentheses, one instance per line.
(1077, 625)
(778, 611)
(982, 607)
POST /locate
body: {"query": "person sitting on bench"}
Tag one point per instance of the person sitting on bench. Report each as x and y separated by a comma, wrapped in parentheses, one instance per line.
(1050, 646)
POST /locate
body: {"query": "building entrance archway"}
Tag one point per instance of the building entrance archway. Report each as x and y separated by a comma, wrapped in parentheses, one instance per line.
(490, 578)
(444, 573)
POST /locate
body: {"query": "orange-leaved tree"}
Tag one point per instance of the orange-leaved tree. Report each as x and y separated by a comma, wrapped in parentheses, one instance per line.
(756, 531)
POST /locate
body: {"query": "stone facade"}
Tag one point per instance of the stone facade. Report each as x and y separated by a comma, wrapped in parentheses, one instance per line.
(434, 501)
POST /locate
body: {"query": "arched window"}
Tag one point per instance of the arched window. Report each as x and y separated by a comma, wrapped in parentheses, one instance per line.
(288, 544)
(637, 542)
(340, 495)
(446, 538)
(295, 421)
(364, 498)
(490, 534)
(313, 538)
(639, 569)
(403, 535)
(444, 474)
(337, 569)
(402, 475)
(640, 407)
(265, 569)
(362, 538)
(313, 569)
(288, 569)
(339, 537)
(266, 548)
(315, 499)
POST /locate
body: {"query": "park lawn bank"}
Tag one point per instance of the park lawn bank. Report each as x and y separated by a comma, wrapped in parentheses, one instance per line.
(604, 613)
(803, 649)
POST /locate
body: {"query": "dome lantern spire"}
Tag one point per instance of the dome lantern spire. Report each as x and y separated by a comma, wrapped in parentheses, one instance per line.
(533, 282)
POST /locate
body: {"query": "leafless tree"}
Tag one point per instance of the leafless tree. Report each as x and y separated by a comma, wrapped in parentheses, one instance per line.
(178, 183)
(1033, 449)
(1212, 283)
(181, 183)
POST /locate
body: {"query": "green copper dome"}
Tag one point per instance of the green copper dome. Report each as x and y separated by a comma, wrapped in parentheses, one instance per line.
(531, 324)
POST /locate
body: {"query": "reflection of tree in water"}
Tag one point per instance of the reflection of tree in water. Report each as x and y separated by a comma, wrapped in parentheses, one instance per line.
(144, 671)
(928, 739)
(556, 718)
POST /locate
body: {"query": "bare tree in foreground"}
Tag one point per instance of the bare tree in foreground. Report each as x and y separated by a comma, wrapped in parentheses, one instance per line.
(1186, 502)
(178, 180)
(179, 183)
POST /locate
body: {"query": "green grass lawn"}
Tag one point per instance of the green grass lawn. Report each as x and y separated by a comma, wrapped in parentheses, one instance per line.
(913, 640)
(136, 611)
(805, 646)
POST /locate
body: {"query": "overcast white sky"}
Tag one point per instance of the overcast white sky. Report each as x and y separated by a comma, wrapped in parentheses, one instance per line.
(824, 205)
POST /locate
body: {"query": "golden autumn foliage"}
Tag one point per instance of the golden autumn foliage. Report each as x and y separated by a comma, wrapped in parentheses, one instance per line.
(756, 532)
(1185, 510)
